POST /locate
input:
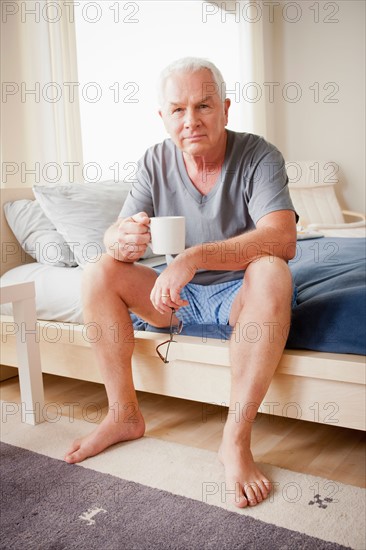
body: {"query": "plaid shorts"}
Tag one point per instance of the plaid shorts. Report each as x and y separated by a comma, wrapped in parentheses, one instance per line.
(211, 304)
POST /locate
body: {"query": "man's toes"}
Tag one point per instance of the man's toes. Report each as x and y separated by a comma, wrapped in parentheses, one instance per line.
(74, 447)
(253, 493)
(76, 453)
(240, 500)
(265, 487)
(76, 456)
(70, 457)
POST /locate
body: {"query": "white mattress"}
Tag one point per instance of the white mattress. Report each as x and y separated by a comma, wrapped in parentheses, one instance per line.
(58, 289)
(58, 296)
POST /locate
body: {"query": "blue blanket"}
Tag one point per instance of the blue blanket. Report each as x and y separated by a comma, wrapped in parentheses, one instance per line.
(330, 314)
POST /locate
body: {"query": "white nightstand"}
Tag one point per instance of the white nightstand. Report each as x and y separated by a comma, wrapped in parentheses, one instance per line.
(22, 296)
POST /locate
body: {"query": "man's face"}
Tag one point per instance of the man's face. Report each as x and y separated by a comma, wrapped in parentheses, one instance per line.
(193, 113)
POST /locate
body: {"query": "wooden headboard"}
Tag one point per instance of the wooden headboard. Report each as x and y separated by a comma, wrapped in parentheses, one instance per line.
(12, 253)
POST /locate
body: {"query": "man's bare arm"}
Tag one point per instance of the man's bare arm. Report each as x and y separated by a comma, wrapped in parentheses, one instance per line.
(275, 235)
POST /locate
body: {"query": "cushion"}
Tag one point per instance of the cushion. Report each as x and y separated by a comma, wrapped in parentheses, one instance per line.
(58, 291)
(36, 233)
(82, 213)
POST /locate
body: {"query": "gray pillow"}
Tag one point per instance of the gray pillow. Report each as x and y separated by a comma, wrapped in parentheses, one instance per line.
(82, 213)
(36, 233)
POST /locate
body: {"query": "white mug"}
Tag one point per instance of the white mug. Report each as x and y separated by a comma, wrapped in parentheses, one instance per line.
(168, 234)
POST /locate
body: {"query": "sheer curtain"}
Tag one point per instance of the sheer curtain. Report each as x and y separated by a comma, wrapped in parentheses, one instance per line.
(254, 27)
(41, 133)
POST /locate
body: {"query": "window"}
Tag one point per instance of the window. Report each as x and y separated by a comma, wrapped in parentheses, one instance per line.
(121, 49)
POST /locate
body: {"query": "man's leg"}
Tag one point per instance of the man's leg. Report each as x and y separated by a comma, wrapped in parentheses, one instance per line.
(260, 315)
(110, 289)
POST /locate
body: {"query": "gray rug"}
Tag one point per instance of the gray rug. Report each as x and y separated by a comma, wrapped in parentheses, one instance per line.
(48, 504)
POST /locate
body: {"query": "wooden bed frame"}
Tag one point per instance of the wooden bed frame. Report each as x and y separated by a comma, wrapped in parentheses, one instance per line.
(321, 387)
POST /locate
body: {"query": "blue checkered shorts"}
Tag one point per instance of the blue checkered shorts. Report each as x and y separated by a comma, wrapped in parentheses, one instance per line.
(211, 304)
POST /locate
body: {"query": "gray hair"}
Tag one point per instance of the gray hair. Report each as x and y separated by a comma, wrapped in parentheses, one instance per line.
(191, 65)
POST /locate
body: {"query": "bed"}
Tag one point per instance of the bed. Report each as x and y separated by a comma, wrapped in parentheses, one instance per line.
(320, 378)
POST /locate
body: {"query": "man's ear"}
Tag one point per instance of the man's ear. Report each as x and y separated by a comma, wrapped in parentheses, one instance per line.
(163, 119)
(227, 104)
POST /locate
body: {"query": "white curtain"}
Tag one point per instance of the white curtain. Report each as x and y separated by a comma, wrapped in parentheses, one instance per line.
(255, 39)
(41, 137)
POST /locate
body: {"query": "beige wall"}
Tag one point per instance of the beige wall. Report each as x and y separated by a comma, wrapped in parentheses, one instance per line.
(307, 52)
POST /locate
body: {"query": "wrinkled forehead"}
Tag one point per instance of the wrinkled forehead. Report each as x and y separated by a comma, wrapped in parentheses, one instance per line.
(188, 86)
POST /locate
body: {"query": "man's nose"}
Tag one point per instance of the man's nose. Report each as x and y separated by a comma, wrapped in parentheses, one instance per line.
(191, 119)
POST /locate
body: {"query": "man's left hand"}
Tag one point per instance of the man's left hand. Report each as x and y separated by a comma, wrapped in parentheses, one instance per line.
(166, 291)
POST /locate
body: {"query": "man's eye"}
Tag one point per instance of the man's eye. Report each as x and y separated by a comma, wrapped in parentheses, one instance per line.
(177, 110)
(203, 106)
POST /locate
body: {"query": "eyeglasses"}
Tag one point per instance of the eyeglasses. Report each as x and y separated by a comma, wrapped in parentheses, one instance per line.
(173, 331)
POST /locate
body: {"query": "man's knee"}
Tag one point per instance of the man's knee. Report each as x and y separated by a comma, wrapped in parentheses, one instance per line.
(100, 275)
(271, 277)
(268, 268)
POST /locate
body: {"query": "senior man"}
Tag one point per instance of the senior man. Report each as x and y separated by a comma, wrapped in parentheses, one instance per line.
(232, 189)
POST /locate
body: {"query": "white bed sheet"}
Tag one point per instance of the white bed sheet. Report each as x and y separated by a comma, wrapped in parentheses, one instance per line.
(58, 289)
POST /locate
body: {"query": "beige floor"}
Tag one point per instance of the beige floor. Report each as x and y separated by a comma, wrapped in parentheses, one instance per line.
(323, 450)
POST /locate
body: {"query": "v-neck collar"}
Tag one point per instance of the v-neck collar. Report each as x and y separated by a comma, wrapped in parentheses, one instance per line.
(192, 190)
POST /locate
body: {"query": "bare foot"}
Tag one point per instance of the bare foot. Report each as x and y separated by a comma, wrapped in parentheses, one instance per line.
(242, 475)
(106, 434)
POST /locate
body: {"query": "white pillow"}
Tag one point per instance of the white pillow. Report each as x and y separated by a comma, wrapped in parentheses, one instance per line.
(36, 233)
(82, 213)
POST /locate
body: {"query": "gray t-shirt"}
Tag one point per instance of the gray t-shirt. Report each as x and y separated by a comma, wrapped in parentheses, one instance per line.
(253, 183)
